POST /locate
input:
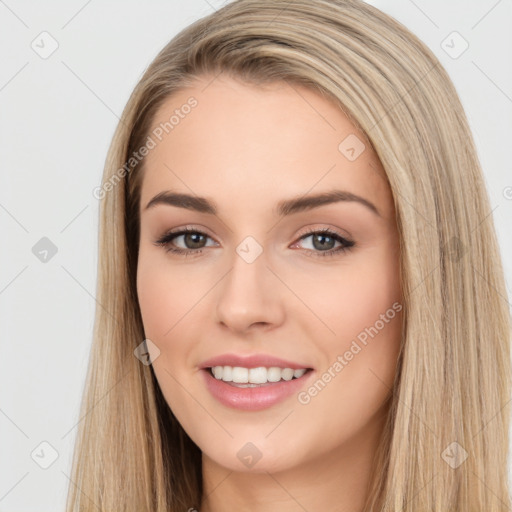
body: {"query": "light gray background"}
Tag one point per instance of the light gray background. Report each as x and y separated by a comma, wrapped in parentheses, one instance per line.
(57, 117)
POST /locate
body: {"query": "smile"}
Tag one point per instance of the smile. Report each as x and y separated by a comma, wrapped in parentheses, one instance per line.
(274, 385)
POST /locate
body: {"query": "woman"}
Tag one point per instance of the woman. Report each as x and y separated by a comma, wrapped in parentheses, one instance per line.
(301, 290)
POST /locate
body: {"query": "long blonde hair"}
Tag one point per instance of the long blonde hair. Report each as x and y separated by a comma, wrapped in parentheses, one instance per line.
(445, 443)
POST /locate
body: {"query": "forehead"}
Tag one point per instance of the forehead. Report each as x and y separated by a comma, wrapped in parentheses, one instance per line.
(258, 144)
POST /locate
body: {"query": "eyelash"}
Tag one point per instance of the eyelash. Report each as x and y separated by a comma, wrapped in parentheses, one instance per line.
(166, 239)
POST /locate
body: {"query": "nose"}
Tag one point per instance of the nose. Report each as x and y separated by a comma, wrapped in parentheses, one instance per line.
(250, 296)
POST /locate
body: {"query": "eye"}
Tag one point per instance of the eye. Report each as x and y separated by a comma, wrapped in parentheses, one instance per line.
(191, 237)
(323, 242)
(194, 242)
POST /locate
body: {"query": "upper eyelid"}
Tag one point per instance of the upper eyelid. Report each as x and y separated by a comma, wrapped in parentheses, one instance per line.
(184, 230)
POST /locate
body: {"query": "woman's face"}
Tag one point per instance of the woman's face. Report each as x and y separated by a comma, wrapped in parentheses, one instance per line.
(258, 175)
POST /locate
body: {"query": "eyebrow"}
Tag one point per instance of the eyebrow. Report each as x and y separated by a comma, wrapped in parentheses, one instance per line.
(284, 208)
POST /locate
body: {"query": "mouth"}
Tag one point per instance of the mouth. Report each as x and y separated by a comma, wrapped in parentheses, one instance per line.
(254, 389)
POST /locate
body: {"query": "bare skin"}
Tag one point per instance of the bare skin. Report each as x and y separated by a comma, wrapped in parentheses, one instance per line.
(247, 148)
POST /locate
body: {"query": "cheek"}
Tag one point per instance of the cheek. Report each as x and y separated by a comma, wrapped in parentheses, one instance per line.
(353, 295)
(165, 298)
(360, 359)
(362, 305)
(164, 295)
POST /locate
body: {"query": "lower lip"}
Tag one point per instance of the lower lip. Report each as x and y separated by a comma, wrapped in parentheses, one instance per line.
(255, 398)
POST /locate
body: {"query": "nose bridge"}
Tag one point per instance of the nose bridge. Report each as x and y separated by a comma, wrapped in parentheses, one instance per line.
(247, 278)
(248, 294)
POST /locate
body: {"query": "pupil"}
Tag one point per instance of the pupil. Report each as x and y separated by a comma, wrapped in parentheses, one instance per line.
(193, 236)
(321, 245)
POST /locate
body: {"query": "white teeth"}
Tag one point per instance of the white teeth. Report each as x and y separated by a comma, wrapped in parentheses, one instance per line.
(217, 372)
(240, 375)
(257, 375)
(273, 374)
(260, 375)
(226, 373)
(299, 373)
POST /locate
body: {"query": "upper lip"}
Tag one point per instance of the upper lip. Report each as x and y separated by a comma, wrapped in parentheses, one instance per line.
(251, 361)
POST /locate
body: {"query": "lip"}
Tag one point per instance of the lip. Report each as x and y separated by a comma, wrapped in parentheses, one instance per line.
(251, 361)
(256, 398)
